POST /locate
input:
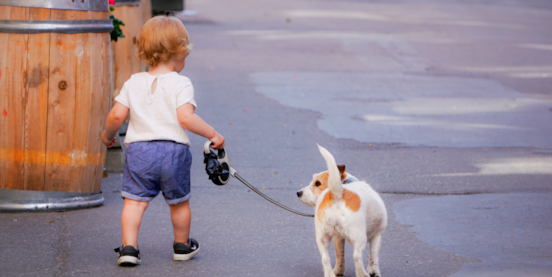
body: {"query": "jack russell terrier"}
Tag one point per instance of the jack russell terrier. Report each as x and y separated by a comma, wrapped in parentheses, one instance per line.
(346, 209)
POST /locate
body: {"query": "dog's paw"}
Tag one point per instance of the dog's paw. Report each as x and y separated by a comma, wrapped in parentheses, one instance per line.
(339, 270)
(373, 271)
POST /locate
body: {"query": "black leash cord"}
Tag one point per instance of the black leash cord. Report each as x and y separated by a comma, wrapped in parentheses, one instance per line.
(268, 198)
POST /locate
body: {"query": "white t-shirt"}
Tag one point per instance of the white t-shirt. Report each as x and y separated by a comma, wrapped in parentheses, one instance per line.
(153, 116)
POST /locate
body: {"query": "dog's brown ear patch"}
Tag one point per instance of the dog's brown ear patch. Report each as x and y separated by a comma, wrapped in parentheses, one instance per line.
(351, 199)
(342, 171)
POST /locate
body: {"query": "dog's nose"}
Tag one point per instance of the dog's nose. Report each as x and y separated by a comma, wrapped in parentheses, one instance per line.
(299, 193)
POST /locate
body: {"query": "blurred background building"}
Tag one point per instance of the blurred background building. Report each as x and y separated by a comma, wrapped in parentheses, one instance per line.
(164, 6)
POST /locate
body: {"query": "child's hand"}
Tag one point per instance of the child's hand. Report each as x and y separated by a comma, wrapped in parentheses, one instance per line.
(218, 141)
(110, 143)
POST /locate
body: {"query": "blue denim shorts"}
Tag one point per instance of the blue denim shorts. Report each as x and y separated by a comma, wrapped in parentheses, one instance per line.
(157, 165)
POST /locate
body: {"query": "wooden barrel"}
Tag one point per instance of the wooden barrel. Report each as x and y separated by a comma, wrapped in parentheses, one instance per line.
(55, 91)
(133, 13)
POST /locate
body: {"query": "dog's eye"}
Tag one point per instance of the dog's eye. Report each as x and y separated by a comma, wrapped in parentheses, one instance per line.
(317, 183)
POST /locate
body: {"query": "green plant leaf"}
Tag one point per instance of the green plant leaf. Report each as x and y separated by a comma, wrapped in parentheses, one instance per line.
(116, 33)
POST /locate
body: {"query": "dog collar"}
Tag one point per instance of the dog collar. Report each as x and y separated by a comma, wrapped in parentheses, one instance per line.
(349, 180)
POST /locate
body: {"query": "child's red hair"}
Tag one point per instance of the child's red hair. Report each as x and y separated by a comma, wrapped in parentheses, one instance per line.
(163, 38)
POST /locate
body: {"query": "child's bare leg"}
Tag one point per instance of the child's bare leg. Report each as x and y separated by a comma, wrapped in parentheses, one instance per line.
(130, 220)
(181, 217)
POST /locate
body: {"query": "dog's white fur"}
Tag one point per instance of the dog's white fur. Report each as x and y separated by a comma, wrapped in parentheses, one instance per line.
(335, 217)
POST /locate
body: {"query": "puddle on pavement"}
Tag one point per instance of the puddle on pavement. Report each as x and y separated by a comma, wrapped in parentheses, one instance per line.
(509, 233)
(414, 110)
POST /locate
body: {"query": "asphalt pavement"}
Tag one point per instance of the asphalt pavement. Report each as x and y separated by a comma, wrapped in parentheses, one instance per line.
(444, 107)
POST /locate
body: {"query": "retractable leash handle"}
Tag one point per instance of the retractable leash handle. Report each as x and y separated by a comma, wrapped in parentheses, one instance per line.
(218, 168)
(217, 165)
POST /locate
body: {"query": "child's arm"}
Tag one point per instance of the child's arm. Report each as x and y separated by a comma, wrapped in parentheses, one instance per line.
(114, 121)
(193, 123)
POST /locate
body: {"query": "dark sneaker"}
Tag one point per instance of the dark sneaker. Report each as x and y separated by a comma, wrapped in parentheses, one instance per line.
(128, 255)
(183, 252)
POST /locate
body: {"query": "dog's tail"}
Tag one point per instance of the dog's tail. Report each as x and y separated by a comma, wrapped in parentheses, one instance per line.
(334, 177)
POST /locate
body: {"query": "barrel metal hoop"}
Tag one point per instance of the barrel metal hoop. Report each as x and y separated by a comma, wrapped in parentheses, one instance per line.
(79, 5)
(127, 3)
(46, 201)
(56, 26)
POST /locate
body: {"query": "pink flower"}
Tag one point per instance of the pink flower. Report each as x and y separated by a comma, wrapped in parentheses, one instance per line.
(111, 2)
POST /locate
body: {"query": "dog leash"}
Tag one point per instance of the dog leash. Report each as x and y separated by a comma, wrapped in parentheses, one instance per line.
(218, 168)
(234, 174)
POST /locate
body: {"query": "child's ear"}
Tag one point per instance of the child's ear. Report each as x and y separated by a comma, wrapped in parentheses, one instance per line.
(342, 171)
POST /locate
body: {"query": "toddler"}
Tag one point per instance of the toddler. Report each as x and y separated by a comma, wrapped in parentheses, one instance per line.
(161, 105)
